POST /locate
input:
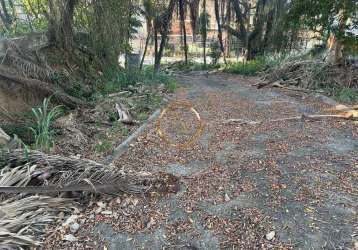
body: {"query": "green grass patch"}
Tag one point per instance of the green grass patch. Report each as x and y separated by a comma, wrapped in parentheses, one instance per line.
(342, 94)
(117, 79)
(190, 66)
(249, 68)
(103, 146)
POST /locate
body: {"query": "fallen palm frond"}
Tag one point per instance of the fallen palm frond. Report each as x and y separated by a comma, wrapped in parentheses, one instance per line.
(28, 68)
(23, 219)
(70, 174)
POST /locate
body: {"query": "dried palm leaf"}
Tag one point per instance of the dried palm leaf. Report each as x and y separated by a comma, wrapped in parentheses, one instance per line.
(28, 68)
(23, 220)
(70, 174)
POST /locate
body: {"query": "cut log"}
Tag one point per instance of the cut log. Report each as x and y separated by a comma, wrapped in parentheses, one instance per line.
(123, 113)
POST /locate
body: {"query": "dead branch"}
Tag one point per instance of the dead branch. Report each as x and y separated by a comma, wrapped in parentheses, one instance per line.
(118, 151)
(310, 74)
(344, 116)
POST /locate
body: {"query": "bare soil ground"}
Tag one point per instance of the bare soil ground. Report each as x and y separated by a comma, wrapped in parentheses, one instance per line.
(238, 183)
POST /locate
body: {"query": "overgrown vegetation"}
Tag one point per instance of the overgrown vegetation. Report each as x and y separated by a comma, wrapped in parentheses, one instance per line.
(42, 131)
(250, 68)
(116, 79)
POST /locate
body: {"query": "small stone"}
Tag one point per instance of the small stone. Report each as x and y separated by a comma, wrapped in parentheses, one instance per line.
(270, 235)
(106, 212)
(227, 198)
(74, 227)
(70, 220)
(70, 237)
(355, 245)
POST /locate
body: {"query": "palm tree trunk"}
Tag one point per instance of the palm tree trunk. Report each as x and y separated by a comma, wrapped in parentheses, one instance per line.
(182, 22)
(220, 34)
(145, 49)
(164, 31)
(205, 32)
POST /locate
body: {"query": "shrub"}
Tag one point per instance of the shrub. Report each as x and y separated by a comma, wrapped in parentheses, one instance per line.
(42, 130)
(252, 67)
(171, 86)
(117, 79)
(215, 52)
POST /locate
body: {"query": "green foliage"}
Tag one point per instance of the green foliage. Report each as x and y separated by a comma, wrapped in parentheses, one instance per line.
(324, 17)
(42, 130)
(204, 21)
(341, 94)
(21, 130)
(190, 66)
(171, 86)
(249, 68)
(215, 52)
(103, 146)
(119, 127)
(116, 79)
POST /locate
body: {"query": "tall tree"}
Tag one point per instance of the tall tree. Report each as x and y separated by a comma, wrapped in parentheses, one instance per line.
(329, 18)
(60, 30)
(182, 7)
(194, 14)
(204, 22)
(161, 26)
(149, 13)
(220, 34)
(6, 13)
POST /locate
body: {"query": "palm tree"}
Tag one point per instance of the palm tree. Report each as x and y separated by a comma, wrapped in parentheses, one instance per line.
(149, 14)
(182, 7)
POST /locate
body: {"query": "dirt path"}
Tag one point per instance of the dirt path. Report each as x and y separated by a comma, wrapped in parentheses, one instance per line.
(240, 182)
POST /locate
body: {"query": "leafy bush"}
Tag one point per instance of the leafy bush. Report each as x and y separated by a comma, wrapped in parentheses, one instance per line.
(215, 52)
(171, 86)
(42, 130)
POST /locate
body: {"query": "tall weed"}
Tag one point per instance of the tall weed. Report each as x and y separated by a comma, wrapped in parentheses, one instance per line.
(42, 130)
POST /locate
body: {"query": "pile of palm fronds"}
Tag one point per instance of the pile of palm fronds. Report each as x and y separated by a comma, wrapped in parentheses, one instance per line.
(26, 69)
(311, 74)
(26, 173)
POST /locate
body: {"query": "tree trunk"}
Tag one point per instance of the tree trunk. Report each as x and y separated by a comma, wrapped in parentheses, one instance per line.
(335, 46)
(5, 16)
(194, 10)
(163, 24)
(145, 49)
(220, 35)
(182, 22)
(204, 33)
(60, 30)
